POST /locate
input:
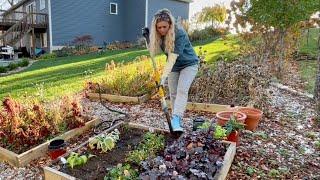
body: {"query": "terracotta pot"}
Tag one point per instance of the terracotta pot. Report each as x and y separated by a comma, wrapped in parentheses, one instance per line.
(253, 117)
(224, 116)
(234, 137)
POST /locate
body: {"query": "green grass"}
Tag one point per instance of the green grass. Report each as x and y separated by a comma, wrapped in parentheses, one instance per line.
(53, 78)
(308, 71)
(61, 76)
(228, 48)
(311, 46)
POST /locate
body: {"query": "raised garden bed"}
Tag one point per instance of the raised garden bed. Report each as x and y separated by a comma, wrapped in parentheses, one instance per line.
(128, 83)
(98, 166)
(40, 150)
(119, 99)
(25, 127)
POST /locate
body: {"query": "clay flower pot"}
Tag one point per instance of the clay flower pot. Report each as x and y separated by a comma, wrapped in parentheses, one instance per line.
(234, 137)
(224, 116)
(253, 117)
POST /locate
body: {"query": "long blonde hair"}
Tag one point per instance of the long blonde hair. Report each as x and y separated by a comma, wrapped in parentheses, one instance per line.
(155, 37)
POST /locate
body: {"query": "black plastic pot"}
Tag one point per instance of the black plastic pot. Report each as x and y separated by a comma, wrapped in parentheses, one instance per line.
(197, 122)
(56, 148)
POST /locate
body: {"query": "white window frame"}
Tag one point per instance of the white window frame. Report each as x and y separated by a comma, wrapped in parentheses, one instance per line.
(42, 4)
(116, 4)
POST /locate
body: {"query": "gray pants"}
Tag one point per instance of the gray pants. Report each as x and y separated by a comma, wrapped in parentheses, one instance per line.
(179, 85)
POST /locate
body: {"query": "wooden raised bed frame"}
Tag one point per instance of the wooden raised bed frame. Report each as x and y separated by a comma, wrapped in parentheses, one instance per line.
(119, 99)
(52, 174)
(41, 150)
(214, 108)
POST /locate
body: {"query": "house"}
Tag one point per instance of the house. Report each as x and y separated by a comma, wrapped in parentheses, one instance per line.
(51, 24)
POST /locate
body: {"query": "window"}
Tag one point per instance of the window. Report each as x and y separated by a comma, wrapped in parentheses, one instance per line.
(42, 4)
(113, 8)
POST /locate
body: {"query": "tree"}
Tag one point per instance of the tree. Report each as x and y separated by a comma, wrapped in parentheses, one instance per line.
(317, 84)
(274, 18)
(214, 15)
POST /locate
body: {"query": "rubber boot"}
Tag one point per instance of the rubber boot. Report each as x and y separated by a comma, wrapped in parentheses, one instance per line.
(176, 124)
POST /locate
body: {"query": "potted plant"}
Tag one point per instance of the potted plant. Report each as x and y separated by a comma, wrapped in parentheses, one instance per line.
(224, 116)
(253, 117)
(233, 128)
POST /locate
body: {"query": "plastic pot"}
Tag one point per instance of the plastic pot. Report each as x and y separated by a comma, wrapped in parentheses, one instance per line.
(56, 148)
(224, 116)
(197, 122)
(253, 117)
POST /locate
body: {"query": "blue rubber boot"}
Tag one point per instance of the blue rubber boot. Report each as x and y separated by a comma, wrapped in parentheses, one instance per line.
(176, 124)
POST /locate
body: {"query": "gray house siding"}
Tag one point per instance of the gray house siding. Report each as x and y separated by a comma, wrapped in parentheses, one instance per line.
(135, 19)
(177, 8)
(76, 18)
(73, 18)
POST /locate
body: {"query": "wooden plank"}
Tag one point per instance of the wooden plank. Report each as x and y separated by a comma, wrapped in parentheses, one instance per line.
(8, 156)
(114, 98)
(227, 162)
(52, 174)
(144, 98)
(42, 149)
(214, 108)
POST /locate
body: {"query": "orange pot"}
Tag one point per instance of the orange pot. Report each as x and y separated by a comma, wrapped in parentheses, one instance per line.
(234, 137)
(224, 116)
(253, 117)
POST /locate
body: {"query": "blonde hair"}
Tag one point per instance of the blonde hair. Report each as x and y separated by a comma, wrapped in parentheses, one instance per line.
(155, 37)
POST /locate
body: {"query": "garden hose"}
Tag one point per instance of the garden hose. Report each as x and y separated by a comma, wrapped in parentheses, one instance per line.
(106, 124)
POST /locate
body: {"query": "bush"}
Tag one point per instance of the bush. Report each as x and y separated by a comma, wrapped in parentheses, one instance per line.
(239, 83)
(132, 79)
(207, 33)
(3, 69)
(13, 66)
(65, 51)
(48, 56)
(120, 45)
(23, 63)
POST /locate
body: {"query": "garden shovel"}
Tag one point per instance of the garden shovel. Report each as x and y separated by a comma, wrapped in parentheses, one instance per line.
(161, 91)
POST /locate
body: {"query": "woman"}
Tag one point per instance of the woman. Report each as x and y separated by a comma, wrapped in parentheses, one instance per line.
(182, 61)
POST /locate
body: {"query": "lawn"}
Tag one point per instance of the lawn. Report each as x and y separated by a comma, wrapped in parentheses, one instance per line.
(62, 76)
(53, 78)
(308, 70)
(223, 47)
(308, 44)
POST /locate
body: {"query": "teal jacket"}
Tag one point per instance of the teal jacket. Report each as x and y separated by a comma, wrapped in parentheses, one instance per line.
(187, 55)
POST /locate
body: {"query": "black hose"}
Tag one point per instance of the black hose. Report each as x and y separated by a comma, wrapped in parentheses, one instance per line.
(96, 129)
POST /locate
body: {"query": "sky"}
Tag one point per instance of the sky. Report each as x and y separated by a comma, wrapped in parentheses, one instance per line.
(197, 5)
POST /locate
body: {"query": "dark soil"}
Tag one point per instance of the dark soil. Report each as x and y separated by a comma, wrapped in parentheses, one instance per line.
(97, 167)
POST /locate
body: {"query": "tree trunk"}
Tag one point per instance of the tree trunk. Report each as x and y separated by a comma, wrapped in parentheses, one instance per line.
(317, 84)
(308, 34)
(282, 53)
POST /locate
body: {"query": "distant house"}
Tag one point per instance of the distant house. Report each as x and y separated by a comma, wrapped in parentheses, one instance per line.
(51, 24)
